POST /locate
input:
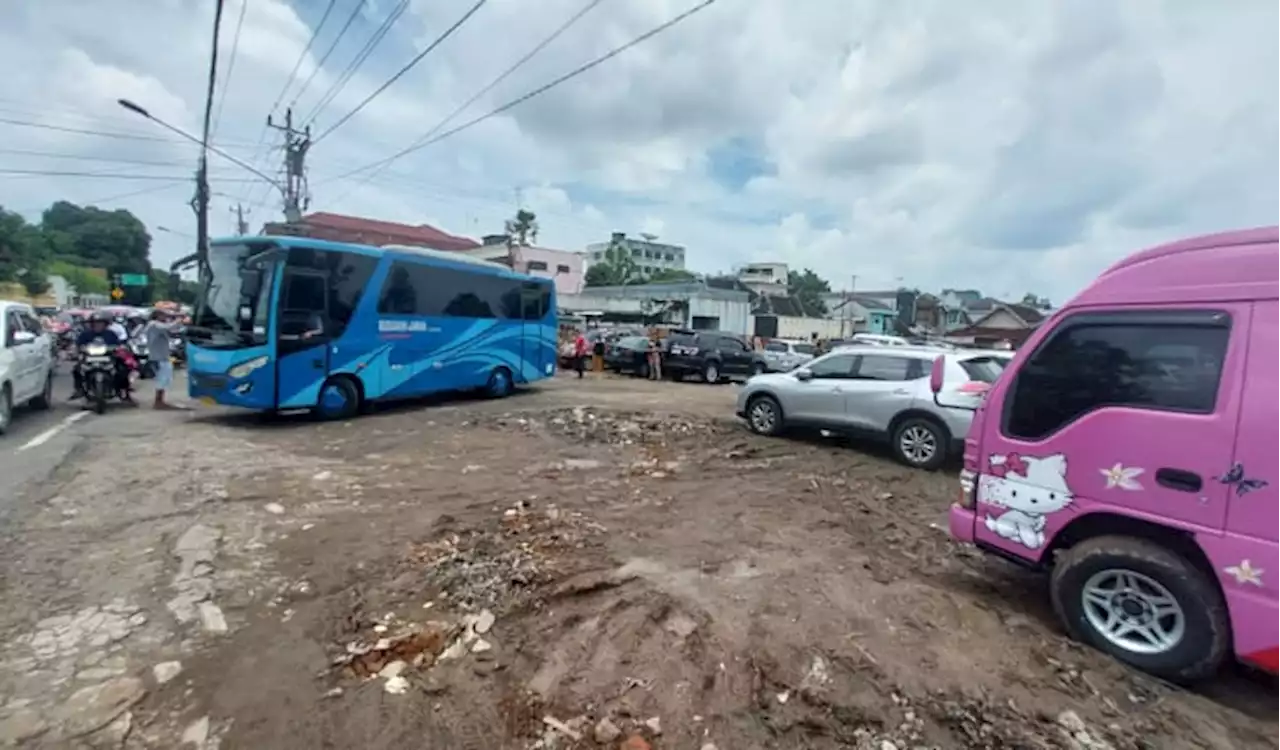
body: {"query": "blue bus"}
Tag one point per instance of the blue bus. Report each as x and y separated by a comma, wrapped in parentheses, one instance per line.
(295, 323)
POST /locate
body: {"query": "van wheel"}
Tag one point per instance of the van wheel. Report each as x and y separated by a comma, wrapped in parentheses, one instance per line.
(920, 443)
(1144, 605)
(339, 399)
(764, 415)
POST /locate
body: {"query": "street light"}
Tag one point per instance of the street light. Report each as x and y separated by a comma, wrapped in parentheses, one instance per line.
(141, 111)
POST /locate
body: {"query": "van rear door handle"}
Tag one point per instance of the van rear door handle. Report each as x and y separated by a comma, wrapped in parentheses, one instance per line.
(1179, 479)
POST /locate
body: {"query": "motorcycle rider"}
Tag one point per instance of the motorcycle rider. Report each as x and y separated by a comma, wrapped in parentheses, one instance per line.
(100, 329)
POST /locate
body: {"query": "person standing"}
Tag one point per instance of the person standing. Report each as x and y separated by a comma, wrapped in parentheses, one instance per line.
(580, 354)
(156, 332)
(655, 359)
(597, 355)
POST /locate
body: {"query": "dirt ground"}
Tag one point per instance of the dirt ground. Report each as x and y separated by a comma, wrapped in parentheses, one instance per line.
(616, 563)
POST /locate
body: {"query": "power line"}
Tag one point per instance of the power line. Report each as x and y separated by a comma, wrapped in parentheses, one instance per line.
(85, 131)
(490, 87)
(355, 13)
(113, 175)
(538, 91)
(80, 157)
(262, 136)
(298, 65)
(417, 59)
(345, 77)
(231, 65)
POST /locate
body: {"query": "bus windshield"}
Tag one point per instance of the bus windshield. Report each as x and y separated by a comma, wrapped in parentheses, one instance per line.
(229, 314)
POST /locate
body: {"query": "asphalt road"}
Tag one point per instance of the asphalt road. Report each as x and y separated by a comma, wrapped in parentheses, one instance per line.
(39, 441)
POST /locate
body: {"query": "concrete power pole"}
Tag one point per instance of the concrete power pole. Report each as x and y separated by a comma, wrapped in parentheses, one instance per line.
(296, 145)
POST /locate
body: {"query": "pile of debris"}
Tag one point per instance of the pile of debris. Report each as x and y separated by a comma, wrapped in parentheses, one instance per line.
(601, 426)
(393, 656)
(501, 567)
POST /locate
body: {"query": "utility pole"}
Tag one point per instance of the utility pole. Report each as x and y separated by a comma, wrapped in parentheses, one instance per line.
(242, 226)
(296, 145)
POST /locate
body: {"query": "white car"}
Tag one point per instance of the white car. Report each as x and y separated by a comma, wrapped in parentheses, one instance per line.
(784, 355)
(26, 361)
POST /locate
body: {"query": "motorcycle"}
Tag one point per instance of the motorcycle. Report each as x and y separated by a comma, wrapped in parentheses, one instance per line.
(97, 369)
(138, 348)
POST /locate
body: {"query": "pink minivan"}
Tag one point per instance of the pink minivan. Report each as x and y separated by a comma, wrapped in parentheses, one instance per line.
(1130, 448)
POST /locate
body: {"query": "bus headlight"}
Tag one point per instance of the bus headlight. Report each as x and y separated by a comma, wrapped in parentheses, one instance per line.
(243, 369)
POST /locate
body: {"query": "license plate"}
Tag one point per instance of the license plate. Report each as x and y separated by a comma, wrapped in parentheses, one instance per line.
(208, 401)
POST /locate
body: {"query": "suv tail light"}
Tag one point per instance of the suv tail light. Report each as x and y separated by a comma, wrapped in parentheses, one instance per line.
(974, 388)
(968, 490)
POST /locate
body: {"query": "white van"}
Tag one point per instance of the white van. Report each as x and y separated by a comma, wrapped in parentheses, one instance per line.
(26, 361)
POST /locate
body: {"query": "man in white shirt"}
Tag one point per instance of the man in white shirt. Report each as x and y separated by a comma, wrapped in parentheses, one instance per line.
(118, 329)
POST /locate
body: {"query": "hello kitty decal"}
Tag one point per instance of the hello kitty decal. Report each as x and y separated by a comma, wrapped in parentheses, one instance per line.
(1030, 488)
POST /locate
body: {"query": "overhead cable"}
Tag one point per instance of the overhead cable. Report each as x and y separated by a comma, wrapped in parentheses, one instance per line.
(355, 13)
(345, 77)
(231, 66)
(400, 73)
(538, 91)
(489, 87)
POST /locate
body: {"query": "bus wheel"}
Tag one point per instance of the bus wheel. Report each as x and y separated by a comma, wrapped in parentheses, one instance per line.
(499, 383)
(339, 399)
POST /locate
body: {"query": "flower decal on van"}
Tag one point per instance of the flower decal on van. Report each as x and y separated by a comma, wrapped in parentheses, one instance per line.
(1030, 488)
(1123, 477)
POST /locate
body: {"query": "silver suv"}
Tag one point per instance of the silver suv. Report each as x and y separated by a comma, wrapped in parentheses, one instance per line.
(879, 392)
(782, 355)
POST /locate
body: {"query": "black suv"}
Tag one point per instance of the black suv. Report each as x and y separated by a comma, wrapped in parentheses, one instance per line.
(714, 356)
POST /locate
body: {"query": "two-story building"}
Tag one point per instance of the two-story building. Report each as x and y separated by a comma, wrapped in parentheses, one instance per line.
(649, 256)
(564, 267)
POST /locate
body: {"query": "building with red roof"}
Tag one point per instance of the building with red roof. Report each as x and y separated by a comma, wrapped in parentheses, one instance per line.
(339, 228)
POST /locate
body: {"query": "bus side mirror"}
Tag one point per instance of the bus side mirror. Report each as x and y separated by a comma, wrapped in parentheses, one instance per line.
(936, 374)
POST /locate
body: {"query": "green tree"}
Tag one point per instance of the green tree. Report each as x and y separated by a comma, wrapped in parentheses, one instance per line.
(82, 280)
(807, 288)
(671, 276)
(616, 268)
(522, 229)
(116, 241)
(24, 253)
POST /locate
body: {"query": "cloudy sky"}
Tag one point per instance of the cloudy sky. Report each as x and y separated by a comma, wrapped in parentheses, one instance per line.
(1009, 146)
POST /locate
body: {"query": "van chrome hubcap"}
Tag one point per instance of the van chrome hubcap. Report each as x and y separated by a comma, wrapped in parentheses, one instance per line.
(1133, 611)
(918, 444)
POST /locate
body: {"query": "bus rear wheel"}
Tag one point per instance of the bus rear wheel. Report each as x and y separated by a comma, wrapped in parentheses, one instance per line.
(339, 399)
(500, 384)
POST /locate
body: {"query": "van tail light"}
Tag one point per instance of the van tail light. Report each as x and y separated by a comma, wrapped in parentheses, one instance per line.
(968, 490)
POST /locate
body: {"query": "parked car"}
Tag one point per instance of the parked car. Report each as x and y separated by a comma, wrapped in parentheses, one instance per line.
(872, 391)
(629, 354)
(1130, 450)
(714, 356)
(783, 355)
(878, 339)
(26, 361)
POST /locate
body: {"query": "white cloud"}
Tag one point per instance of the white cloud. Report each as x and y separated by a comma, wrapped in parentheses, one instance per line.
(1007, 146)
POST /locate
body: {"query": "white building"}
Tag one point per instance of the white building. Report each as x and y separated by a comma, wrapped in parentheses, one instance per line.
(764, 278)
(649, 256)
(687, 305)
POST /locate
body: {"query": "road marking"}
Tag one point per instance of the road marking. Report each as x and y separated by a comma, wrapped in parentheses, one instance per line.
(48, 434)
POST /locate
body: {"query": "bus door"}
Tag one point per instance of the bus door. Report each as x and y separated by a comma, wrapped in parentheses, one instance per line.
(532, 347)
(302, 337)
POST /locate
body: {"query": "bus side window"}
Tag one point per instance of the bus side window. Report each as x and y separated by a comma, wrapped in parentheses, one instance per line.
(347, 280)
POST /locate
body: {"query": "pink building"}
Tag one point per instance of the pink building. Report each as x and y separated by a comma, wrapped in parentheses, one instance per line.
(564, 266)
